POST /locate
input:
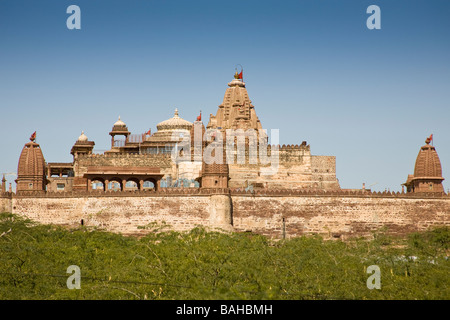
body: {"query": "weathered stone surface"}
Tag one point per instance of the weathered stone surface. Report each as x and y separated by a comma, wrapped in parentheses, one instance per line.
(346, 216)
(125, 215)
(338, 215)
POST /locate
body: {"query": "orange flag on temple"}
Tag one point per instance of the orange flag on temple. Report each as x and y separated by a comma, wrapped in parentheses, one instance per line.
(430, 137)
(148, 132)
(33, 136)
(240, 75)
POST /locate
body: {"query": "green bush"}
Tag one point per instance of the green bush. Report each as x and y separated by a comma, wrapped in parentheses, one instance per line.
(211, 265)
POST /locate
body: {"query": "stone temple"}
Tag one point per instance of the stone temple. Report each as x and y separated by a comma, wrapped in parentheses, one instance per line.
(224, 175)
(144, 161)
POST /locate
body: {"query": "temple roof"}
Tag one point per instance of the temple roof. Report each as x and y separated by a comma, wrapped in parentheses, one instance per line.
(119, 123)
(174, 123)
(236, 110)
(428, 163)
(119, 127)
(31, 161)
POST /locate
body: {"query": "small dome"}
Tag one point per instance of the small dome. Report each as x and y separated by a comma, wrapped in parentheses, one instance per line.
(174, 123)
(83, 137)
(119, 127)
(119, 123)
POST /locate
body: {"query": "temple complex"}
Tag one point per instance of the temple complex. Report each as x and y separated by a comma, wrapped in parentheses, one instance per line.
(146, 161)
(224, 175)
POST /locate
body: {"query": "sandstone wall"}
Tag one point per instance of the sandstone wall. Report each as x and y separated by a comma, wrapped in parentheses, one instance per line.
(82, 162)
(5, 202)
(126, 215)
(337, 216)
(323, 170)
(333, 215)
(297, 169)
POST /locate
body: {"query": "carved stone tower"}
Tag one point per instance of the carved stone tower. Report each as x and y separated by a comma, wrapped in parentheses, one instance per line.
(236, 110)
(31, 169)
(427, 171)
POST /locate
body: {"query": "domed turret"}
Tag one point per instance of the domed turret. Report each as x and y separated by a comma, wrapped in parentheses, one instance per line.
(427, 171)
(31, 169)
(82, 137)
(119, 129)
(119, 124)
(82, 145)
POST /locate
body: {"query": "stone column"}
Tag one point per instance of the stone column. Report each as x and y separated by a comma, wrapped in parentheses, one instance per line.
(106, 185)
(141, 184)
(124, 182)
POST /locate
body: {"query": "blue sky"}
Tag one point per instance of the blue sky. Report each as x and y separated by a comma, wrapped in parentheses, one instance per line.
(312, 69)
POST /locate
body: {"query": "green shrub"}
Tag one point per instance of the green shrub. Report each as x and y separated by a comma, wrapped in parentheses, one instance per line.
(211, 265)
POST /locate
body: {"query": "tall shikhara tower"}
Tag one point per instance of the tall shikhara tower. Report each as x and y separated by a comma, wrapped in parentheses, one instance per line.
(236, 110)
(31, 169)
(427, 171)
(290, 166)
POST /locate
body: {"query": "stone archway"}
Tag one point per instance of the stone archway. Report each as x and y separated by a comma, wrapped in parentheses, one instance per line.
(97, 183)
(115, 184)
(149, 184)
(132, 184)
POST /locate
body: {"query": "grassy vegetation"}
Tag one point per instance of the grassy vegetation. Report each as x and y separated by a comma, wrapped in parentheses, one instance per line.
(209, 265)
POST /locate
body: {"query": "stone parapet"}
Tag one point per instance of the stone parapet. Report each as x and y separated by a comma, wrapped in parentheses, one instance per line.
(236, 191)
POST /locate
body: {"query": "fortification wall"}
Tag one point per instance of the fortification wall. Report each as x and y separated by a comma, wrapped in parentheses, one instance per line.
(323, 170)
(122, 214)
(5, 202)
(339, 215)
(270, 212)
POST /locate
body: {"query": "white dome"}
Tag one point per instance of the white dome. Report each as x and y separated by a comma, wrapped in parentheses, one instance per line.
(83, 137)
(119, 123)
(174, 123)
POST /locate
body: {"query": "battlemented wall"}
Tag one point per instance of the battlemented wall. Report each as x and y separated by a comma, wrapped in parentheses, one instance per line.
(274, 213)
(121, 214)
(297, 169)
(339, 216)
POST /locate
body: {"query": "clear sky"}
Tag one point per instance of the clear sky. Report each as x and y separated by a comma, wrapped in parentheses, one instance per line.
(312, 68)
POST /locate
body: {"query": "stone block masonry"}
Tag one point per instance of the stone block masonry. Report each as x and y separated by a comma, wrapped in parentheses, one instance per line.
(337, 216)
(5, 202)
(274, 214)
(126, 215)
